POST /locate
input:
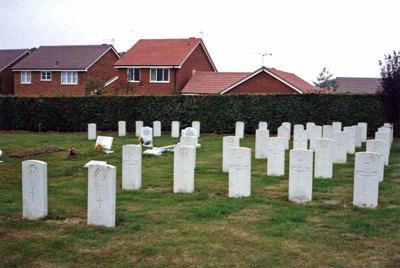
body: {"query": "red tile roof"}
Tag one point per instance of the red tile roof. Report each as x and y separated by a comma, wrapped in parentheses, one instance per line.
(220, 82)
(63, 57)
(357, 85)
(159, 52)
(9, 56)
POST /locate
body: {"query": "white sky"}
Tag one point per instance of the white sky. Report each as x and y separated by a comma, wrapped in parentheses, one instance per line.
(348, 37)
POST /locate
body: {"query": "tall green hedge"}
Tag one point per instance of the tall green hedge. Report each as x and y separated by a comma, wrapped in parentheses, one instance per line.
(215, 112)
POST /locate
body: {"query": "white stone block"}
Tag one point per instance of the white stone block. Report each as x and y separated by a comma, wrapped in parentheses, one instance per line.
(316, 133)
(101, 195)
(366, 179)
(339, 147)
(184, 169)
(121, 128)
(358, 136)
(227, 143)
(131, 167)
(323, 158)
(298, 126)
(309, 126)
(384, 136)
(336, 126)
(34, 189)
(92, 132)
(157, 129)
(300, 175)
(351, 139)
(276, 156)
(289, 127)
(175, 129)
(378, 147)
(190, 132)
(239, 129)
(147, 135)
(105, 141)
(327, 132)
(300, 140)
(262, 136)
(262, 125)
(283, 132)
(196, 126)
(390, 126)
(364, 127)
(138, 128)
(190, 141)
(240, 172)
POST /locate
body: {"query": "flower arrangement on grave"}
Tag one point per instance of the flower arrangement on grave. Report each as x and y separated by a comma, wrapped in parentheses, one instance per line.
(142, 141)
(99, 147)
(71, 151)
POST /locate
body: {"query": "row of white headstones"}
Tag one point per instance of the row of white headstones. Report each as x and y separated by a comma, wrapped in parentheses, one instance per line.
(236, 160)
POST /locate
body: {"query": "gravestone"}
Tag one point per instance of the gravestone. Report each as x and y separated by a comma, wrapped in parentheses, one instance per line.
(240, 172)
(351, 136)
(175, 129)
(34, 189)
(147, 136)
(378, 146)
(131, 167)
(300, 140)
(261, 149)
(384, 136)
(276, 156)
(138, 128)
(358, 136)
(227, 143)
(190, 141)
(327, 132)
(189, 132)
(300, 175)
(298, 126)
(336, 126)
(121, 128)
(386, 130)
(339, 147)
(101, 195)
(262, 125)
(196, 126)
(316, 133)
(239, 129)
(366, 179)
(389, 126)
(283, 132)
(364, 127)
(309, 125)
(92, 131)
(323, 158)
(157, 129)
(184, 169)
(106, 142)
(288, 126)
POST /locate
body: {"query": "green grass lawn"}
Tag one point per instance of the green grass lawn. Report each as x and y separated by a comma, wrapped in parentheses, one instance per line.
(156, 228)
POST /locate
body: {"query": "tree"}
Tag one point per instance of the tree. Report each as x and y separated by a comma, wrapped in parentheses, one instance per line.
(325, 81)
(389, 92)
(93, 85)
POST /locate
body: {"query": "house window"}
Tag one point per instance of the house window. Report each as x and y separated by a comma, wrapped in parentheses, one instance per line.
(45, 76)
(26, 77)
(134, 75)
(160, 75)
(69, 78)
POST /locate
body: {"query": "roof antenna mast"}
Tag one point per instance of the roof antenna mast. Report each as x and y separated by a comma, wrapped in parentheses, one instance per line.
(262, 56)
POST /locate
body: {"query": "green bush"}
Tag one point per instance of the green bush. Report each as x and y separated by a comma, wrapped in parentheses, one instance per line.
(216, 113)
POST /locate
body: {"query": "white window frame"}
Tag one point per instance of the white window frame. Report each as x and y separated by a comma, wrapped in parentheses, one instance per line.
(156, 80)
(47, 76)
(134, 71)
(69, 78)
(26, 77)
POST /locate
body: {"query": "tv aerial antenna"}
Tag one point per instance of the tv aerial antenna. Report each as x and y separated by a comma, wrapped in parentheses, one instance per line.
(262, 56)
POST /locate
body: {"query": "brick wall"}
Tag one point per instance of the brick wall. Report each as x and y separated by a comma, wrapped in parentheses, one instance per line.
(7, 78)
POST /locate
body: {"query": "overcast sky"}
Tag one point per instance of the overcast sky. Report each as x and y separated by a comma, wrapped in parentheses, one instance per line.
(348, 37)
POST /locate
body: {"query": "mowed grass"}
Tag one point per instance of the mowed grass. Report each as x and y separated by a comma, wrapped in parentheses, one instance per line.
(156, 228)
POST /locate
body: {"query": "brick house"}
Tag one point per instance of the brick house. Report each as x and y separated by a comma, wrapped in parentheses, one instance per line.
(357, 85)
(8, 58)
(262, 81)
(160, 66)
(63, 70)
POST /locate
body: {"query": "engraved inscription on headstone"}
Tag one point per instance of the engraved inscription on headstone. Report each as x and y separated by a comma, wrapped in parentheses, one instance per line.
(131, 167)
(276, 157)
(240, 172)
(300, 175)
(184, 169)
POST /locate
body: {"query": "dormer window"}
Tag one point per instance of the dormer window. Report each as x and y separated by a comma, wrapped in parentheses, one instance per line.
(159, 75)
(133, 74)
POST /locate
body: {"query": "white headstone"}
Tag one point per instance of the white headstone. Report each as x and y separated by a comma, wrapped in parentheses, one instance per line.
(262, 125)
(183, 169)
(92, 131)
(190, 132)
(101, 195)
(323, 158)
(105, 141)
(196, 126)
(300, 140)
(147, 135)
(339, 147)
(386, 138)
(309, 125)
(239, 129)
(366, 179)
(327, 132)
(336, 126)
(34, 189)
(138, 127)
(262, 136)
(390, 126)
(364, 134)
(121, 128)
(300, 175)
(157, 129)
(227, 143)
(175, 129)
(131, 167)
(298, 126)
(316, 133)
(378, 146)
(386, 130)
(288, 126)
(283, 132)
(240, 172)
(358, 136)
(276, 156)
(190, 141)
(351, 136)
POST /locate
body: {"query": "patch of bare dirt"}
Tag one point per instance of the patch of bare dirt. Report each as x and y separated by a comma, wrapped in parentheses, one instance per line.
(36, 151)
